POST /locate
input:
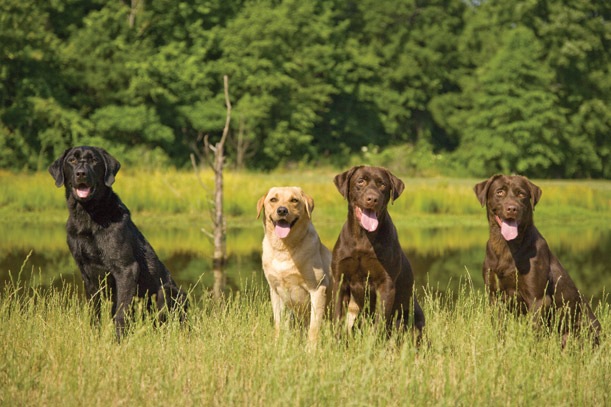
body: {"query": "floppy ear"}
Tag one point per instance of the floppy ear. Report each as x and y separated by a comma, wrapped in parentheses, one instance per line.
(535, 192)
(260, 203)
(57, 169)
(481, 189)
(342, 181)
(309, 203)
(396, 187)
(111, 164)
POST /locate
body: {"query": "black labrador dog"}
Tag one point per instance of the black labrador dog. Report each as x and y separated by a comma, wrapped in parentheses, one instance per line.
(104, 241)
(368, 262)
(519, 266)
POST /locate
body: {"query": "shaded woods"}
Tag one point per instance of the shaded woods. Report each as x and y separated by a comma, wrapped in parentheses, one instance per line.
(465, 87)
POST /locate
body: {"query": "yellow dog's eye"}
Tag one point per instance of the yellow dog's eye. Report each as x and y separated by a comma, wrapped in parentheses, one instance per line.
(274, 199)
(294, 200)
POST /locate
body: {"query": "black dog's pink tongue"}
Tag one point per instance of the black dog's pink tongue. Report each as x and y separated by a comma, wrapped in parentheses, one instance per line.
(509, 228)
(369, 220)
(282, 229)
(83, 192)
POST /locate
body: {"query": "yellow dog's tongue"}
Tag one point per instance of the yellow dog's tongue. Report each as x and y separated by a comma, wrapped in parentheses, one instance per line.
(282, 229)
(369, 220)
(509, 228)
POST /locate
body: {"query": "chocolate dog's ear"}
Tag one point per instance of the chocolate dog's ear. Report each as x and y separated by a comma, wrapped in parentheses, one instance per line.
(342, 181)
(396, 186)
(260, 203)
(535, 192)
(57, 169)
(111, 164)
(309, 203)
(481, 189)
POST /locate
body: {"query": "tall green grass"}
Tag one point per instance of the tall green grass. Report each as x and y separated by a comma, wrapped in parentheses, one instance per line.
(171, 192)
(51, 354)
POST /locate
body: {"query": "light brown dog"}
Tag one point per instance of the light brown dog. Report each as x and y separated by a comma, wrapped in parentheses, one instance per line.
(296, 264)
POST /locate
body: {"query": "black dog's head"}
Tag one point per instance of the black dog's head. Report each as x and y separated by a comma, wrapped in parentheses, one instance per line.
(510, 202)
(85, 171)
(368, 191)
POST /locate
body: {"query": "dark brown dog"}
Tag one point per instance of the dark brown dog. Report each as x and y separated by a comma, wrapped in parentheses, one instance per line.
(368, 262)
(519, 265)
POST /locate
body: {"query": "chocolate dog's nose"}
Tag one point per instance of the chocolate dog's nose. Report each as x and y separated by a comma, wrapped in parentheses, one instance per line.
(511, 210)
(371, 199)
(282, 211)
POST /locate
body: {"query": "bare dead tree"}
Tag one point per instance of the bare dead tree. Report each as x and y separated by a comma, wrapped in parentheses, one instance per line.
(217, 163)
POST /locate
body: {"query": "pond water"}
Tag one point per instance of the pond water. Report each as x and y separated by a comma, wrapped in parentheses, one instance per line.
(440, 257)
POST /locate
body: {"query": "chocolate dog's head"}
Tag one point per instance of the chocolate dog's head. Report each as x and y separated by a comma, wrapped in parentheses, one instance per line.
(510, 201)
(286, 208)
(85, 171)
(368, 191)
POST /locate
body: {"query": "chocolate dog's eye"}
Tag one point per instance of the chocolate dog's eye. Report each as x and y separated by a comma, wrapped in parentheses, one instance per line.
(382, 186)
(500, 192)
(274, 199)
(522, 194)
(360, 181)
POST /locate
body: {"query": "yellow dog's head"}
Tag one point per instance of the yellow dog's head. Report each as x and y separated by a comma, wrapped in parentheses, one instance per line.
(285, 208)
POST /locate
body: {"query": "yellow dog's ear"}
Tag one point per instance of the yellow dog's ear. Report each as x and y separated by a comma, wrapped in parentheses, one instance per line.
(309, 203)
(260, 203)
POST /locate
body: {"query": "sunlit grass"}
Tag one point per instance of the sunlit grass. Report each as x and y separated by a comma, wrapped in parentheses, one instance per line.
(475, 355)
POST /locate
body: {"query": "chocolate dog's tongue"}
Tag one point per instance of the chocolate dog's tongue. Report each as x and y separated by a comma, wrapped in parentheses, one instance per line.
(509, 229)
(83, 192)
(369, 220)
(282, 229)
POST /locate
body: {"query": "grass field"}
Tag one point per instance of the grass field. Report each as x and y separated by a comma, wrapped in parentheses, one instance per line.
(52, 355)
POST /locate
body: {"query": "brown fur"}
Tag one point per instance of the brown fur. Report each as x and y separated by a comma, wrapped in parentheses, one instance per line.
(524, 271)
(370, 265)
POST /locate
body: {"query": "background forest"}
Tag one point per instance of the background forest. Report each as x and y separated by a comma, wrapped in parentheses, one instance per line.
(452, 87)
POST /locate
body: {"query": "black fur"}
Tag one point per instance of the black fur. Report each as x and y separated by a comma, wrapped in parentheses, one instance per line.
(104, 241)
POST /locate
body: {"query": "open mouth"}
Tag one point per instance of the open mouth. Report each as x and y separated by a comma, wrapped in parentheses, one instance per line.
(367, 218)
(283, 227)
(509, 227)
(83, 191)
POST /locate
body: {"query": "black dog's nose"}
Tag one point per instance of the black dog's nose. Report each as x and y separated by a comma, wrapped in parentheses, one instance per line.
(80, 173)
(282, 211)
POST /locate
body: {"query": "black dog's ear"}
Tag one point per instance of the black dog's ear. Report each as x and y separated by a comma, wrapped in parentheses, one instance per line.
(111, 164)
(535, 192)
(481, 189)
(342, 181)
(57, 169)
(396, 186)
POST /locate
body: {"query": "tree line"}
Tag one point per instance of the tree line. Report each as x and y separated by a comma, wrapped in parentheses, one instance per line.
(495, 86)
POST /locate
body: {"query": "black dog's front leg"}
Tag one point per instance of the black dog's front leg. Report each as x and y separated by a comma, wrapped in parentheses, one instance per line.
(126, 289)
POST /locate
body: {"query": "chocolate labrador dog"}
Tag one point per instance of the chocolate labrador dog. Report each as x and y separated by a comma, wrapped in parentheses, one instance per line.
(368, 263)
(104, 241)
(519, 266)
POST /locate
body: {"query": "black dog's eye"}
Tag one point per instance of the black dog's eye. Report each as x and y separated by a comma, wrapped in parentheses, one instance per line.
(72, 160)
(274, 199)
(500, 192)
(294, 200)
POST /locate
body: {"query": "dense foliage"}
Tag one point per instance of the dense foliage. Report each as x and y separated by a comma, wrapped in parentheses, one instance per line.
(521, 86)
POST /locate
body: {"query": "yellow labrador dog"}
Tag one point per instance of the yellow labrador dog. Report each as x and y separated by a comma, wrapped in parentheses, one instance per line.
(296, 264)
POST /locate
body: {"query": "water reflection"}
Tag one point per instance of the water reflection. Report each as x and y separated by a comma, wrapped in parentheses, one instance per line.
(440, 257)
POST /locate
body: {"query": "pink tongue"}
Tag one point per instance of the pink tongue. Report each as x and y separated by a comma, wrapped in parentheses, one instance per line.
(282, 230)
(83, 192)
(369, 220)
(509, 229)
